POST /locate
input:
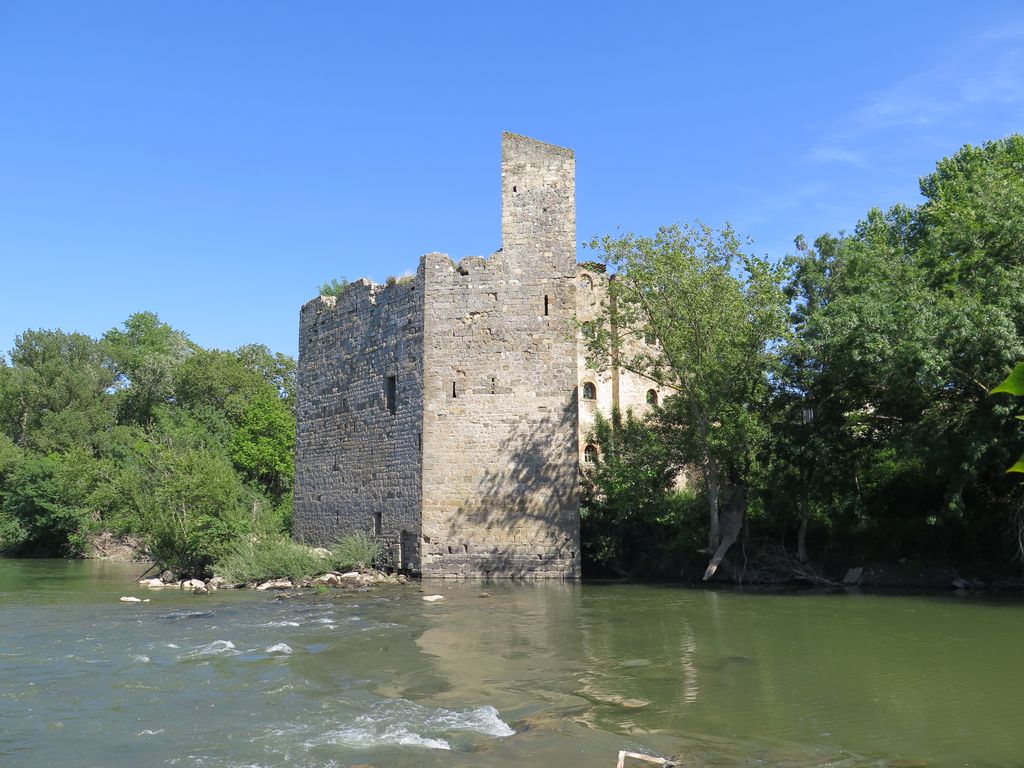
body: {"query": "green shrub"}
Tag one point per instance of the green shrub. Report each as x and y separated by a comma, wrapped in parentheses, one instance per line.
(334, 287)
(42, 504)
(357, 550)
(273, 557)
(197, 509)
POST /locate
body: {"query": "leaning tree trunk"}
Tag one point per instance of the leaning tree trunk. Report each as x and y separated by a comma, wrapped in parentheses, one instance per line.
(714, 518)
(801, 534)
(735, 511)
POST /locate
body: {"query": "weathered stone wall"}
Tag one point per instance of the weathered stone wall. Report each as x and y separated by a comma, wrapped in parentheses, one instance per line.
(500, 467)
(355, 459)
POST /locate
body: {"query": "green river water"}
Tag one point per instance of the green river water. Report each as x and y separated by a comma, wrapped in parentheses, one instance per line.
(531, 675)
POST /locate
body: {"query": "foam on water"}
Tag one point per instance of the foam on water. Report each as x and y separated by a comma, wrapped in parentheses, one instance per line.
(399, 722)
(484, 720)
(216, 648)
(379, 625)
(184, 615)
(280, 624)
(280, 648)
(369, 735)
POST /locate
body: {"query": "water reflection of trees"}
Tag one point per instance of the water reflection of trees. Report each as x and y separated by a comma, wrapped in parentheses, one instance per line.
(641, 663)
(883, 676)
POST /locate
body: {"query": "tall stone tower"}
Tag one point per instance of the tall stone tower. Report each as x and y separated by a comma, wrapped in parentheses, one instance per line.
(441, 412)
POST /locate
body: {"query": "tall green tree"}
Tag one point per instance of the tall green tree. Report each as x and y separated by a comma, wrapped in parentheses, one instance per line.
(218, 379)
(277, 369)
(55, 394)
(900, 329)
(263, 446)
(145, 353)
(691, 308)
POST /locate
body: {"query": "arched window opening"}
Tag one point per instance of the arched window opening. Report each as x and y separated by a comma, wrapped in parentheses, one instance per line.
(589, 391)
(652, 397)
(590, 454)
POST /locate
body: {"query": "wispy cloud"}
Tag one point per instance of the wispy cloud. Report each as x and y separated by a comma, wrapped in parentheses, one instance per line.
(834, 154)
(873, 153)
(945, 97)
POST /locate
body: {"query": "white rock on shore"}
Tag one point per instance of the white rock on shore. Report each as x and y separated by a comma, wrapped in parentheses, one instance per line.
(275, 584)
(327, 580)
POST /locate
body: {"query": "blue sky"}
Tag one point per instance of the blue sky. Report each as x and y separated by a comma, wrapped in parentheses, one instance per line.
(215, 162)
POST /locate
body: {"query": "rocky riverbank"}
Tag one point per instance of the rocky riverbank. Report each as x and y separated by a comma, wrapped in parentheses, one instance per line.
(325, 581)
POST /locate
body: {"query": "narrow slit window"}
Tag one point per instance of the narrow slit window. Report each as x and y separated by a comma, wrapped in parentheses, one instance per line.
(454, 393)
(545, 305)
(378, 521)
(391, 394)
(494, 385)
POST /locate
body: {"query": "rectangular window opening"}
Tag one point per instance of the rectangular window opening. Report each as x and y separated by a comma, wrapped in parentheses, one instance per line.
(391, 394)
(453, 390)
(494, 384)
(378, 520)
(545, 306)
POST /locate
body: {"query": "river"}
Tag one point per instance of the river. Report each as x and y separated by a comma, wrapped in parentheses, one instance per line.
(498, 674)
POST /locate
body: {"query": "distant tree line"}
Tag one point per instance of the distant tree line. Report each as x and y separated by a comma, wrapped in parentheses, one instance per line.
(145, 433)
(836, 406)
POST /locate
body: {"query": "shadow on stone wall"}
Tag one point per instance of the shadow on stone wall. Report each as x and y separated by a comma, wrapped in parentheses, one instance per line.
(525, 511)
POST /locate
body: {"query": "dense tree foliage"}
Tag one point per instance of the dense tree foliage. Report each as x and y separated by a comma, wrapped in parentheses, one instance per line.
(143, 432)
(868, 424)
(903, 326)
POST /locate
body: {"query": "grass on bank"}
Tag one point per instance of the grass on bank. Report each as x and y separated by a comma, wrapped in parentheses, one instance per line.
(280, 557)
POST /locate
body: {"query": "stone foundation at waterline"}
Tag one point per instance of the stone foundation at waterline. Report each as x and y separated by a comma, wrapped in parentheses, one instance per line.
(442, 411)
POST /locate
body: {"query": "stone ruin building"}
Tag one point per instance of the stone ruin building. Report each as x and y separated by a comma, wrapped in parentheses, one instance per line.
(448, 413)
